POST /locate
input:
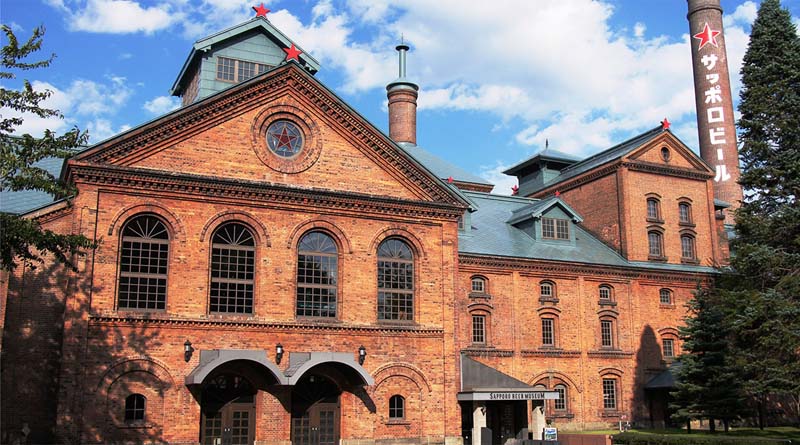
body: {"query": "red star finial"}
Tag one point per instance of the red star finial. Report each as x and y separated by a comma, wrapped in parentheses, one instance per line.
(665, 124)
(292, 53)
(514, 190)
(557, 193)
(707, 36)
(450, 180)
(260, 10)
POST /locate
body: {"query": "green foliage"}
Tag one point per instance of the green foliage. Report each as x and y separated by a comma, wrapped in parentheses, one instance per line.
(762, 295)
(707, 378)
(653, 439)
(23, 240)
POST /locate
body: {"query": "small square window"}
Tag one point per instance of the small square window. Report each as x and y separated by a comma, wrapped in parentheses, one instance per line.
(478, 285)
(555, 228)
(397, 408)
(605, 293)
(665, 296)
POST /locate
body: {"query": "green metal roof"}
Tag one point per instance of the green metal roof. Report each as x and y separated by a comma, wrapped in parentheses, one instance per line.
(441, 168)
(23, 201)
(548, 154)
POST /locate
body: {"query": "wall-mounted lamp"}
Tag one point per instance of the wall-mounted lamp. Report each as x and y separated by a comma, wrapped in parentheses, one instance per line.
(278, 353)
(362, 354)
(187, 351)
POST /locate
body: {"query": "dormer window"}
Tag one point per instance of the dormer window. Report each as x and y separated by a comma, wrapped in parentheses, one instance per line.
(555, 228)
(232, 70)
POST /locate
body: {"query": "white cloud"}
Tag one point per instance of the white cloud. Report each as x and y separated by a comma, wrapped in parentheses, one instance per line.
(639, 29)
(502, 182)
(744, 14)
(102, 129)
(116, 16)
(161, 105)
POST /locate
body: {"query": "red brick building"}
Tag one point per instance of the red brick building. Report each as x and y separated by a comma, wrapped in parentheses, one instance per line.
(273, 269)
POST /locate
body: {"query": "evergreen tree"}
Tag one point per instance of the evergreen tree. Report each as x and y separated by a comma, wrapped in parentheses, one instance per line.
(23, 239)
(707, 378)
(763, 293)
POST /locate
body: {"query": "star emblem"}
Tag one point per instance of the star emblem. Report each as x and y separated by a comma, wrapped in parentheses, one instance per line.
(292, 53)
(284, 139)
(707, 36)
(665, 124)
(557, 193)
(260, 10)
(514, 190)
(450, 180)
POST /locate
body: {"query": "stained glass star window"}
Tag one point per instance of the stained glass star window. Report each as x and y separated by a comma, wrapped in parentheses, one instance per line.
(284, 138)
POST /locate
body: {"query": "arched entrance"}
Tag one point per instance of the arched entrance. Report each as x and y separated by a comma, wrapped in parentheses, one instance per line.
(228, 408)
(316, 410)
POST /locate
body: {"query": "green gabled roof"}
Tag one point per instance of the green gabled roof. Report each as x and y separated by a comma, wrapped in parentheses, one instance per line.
(537, 209)
(493, 235)
(604, 156)
(256, 23)
(548, 154)
(23, 201)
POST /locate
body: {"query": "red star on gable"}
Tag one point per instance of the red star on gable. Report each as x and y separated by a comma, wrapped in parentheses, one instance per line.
(450, 180)
(292, 53)
(665, 124)
(514, 190)
(707, 36)
(260, 10)
(284, 139)
(557, 193)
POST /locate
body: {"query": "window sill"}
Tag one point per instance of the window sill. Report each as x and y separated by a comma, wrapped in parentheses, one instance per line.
(659, 258)
(611, 414)
(686, 224)
(690, 261)
(655, 220)
(479, 295)
(602, 302)
(666, 306)
(135, 425)
(397, 422)
(548, 300)
(397, 323)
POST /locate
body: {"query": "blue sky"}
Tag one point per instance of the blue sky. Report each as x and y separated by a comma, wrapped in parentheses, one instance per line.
(497, 78)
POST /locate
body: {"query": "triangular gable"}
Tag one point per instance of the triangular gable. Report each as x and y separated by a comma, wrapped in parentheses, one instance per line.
(476, 376)
(540, 208)
(256, 24)
(667, 151)
(289, 79)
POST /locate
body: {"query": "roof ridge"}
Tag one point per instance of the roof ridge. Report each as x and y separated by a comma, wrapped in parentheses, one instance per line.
(644, 135)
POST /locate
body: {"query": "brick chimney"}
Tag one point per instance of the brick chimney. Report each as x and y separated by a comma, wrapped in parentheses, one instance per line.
(402, 95)
(712, 90)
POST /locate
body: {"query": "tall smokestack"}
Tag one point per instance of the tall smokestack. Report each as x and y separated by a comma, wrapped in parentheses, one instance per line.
(712, 90)
(402, 96)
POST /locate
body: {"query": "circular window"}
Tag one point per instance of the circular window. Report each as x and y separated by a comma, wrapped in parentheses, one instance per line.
(284, 138)
(665, 154)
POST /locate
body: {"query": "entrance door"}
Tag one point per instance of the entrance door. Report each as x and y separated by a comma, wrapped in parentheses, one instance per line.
(228, 411)
(315, 412)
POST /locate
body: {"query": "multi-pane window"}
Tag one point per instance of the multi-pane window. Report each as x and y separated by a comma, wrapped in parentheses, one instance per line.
(668, 347)
(233, 70)
(685, 213)
(479, 329)
(560, 404)
(653, 209)
(605, 292)
(479, 285)
(665, 296)
(143, 264)
(655, 243)
(548, 332)
(395, 280)
(687, 247)
(317, 272)
(607, 333)
(555, 228)
(610, 394)
(233, 251)
(397, 407)
(134, 408)
(546, 290)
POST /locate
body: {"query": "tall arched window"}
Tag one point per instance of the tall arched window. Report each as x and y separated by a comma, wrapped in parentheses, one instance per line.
(135, 408)
(608, 333)
(655, 244)
(233, 253)
(397, 407)
(395, 280)
(684, 213)
(653, 209)
(143, 264)
(560, 404)
(317, 276)
(688, 248)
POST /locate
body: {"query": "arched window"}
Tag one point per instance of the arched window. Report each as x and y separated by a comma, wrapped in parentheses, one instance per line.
(548, 331)
(317, 275)
(610, 393)
(135, 408)
(653, 209)
(547, 291)
(665, 296)
(233, 252)
(395, 280)
(684, 213)
(143, 264)
(608, 334)
(688, 248)
(655, 244)
(668, 347)
(397, 407)
(560, 404)
(478, 285)
(479, 329)
(606, 293)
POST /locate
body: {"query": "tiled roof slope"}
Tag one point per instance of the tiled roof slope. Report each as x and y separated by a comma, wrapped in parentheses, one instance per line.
(492, 235)
(26, 200)
(440, 167)
(605, 156)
